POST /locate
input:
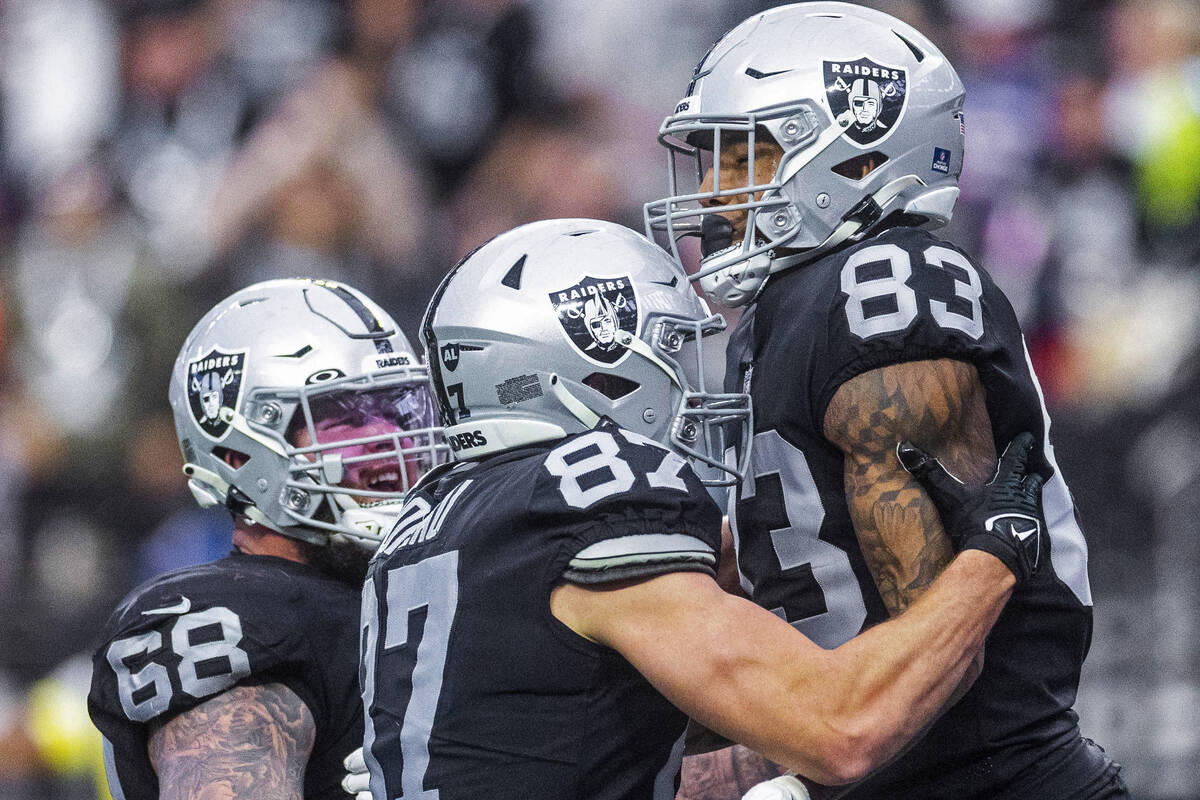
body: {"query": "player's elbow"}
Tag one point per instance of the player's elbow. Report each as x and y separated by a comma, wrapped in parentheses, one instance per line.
(837, 752)
(846, 756)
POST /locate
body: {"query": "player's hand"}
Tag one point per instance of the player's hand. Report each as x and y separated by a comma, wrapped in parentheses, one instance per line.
(785, 787)
(1003, 518)
(357, 782)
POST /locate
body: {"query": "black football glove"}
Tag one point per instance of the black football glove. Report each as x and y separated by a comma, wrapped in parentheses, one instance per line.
(1003, 518)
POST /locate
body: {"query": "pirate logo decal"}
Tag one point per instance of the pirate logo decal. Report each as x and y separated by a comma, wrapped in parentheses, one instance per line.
(215, 381)
(873, 93)
(592, 311)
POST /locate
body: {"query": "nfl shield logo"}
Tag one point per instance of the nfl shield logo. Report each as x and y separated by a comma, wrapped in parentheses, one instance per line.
(592, 312)
(450, 356)
(875, 94)
(214, 382)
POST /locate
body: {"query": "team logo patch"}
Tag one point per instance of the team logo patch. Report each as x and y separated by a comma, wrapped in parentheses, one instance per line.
(450, 356)
(215, 382)
(874, 93)
(592, 312)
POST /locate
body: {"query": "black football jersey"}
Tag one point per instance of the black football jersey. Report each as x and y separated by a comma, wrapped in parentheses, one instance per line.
(903, 296)
(185, 636)
(472, 687)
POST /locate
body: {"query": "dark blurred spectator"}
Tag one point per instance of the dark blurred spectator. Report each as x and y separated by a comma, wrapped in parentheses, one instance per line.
(198, 75)
(466, 69)
(539, 168)
(319, 188)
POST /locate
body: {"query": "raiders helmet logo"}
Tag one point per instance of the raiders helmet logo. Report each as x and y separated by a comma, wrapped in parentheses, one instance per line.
(592, 311)
(450, 356)
(875, 94)
(214, 381)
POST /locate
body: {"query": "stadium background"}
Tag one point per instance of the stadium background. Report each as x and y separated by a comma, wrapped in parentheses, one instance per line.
(155, 155)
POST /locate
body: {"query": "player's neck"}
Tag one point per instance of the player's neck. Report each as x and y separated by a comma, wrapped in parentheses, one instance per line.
(254, 540)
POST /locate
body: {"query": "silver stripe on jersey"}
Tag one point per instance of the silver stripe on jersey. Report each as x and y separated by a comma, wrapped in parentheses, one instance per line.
(646, 548)
(1068, 551)
(664, 781)
(369, 645)
(110, 768)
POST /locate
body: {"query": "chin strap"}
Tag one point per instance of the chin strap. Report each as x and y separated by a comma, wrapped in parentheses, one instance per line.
(866, 213)
(211, 490)
(579, 409)
(581, 412)
(858, 220)
(631, 342)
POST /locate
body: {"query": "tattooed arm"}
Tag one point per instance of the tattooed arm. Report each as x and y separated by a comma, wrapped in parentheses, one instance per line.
(937, 405)
(724, 774)
(247, 743)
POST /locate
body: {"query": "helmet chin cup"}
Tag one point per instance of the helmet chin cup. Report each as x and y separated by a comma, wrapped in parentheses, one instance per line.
(369, 525)
(936, 205)
(739, 282)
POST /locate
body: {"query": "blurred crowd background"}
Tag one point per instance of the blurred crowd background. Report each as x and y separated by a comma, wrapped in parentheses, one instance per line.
(156, 155)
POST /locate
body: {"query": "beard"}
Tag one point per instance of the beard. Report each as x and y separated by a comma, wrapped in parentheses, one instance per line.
(342, 559)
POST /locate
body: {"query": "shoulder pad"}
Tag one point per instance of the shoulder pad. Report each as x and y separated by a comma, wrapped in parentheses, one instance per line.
(193, 633)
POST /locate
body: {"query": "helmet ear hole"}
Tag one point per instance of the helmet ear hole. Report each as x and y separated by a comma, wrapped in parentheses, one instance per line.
(861, 165)
(234, 458)
(614, 387)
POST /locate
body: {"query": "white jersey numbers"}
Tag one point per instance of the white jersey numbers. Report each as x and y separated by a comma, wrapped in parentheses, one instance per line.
(430, 585)
(147, 693)
(590, 467)
(831, 610)
(879, 298)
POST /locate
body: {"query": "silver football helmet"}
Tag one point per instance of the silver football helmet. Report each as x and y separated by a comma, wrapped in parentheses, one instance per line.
(867, 111)
(300, 405)
(546, 328)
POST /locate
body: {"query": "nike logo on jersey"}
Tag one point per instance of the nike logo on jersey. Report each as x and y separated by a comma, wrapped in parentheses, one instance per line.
(182, 607)
(669, 284)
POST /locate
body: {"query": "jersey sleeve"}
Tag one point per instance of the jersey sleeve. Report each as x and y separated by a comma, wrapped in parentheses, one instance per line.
(905, 296)
(630, 508)
(178, 641)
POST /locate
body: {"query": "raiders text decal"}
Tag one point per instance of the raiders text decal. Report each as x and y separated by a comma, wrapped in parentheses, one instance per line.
(874, 93)
(592, 311)
(214, 381)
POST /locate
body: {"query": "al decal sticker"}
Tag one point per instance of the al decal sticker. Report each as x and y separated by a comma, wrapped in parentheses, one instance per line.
(214, 381)
(592, 311)
(874, 93)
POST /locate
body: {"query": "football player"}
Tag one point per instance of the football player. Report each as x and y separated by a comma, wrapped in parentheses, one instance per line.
(861, 329)
(301, 408)
(544, 614)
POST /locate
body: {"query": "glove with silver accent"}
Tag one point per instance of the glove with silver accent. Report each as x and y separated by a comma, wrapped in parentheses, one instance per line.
(785, 787)
(1003, 518)
(357, 782)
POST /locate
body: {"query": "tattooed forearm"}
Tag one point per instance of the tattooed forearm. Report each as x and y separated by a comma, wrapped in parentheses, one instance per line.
(724, 774)
(248, 743)
(938, 405)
